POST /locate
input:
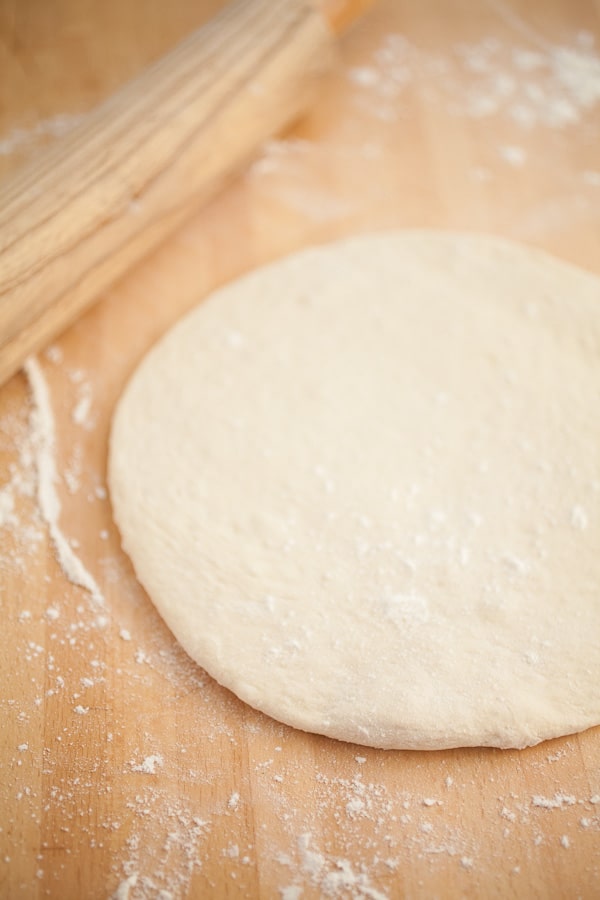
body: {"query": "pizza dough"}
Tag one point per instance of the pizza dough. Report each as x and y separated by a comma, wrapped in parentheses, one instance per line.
(362, 487)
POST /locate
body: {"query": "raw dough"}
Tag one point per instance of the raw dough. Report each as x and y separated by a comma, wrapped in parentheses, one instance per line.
(362, 487)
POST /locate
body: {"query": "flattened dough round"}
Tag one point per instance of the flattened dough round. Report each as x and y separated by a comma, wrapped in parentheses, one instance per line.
(362, 487)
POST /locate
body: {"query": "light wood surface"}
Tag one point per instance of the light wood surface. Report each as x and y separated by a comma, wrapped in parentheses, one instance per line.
(82, 212)
(132, 760)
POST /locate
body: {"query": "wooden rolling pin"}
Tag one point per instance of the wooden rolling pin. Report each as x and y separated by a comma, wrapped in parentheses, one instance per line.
(84, 211)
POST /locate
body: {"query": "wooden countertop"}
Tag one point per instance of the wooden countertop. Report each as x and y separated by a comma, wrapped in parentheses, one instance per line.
(120, 758)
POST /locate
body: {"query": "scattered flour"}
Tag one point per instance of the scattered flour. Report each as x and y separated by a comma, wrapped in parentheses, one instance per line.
(514, 156)
(234, 801)
(553, 86)
(27, 532)
(44, 444)
(20, 140)
(54, 354)
(81, 410)
(73, 470)
(334, 878)
(546, 87)
(149, 765)
(123, 890)
(556, 802)
(293, 892)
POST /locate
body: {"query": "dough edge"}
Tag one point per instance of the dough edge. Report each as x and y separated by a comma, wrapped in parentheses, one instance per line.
(405, 735)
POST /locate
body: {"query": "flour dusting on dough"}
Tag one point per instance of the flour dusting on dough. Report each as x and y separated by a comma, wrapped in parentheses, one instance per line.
(406, 534)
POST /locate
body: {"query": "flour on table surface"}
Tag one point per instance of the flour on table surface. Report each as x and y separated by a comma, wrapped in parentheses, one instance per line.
(513, 155)
(527, 86)
(82, 408)
(20, 482)
(556, 802)
(81, 411)
(44, 443)
(234, 801)
(21, 139)
(551, 86)
(123, 890)
(54, 354)
(591, 178)
(149, 765)
(162, 840)
(73, 467)
(380, 826)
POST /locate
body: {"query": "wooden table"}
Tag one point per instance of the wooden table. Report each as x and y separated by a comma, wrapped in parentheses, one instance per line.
(121, 758)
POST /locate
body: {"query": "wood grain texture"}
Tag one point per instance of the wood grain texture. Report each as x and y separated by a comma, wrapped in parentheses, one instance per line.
(81, 213)
(392, 142)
